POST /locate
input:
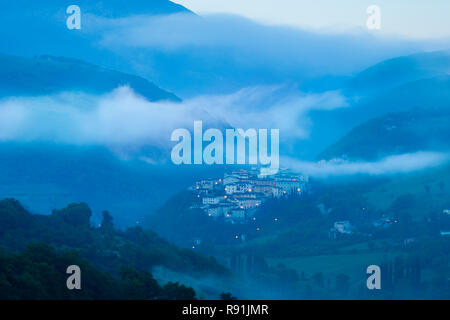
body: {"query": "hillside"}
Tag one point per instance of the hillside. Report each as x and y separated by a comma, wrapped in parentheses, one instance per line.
(104, 246)
(40, 28)
(398, 71)
(45, 75)
(38, 273)
(45, 176)
(105, 8)
(402, 84)
(394, 133)
(291, 251)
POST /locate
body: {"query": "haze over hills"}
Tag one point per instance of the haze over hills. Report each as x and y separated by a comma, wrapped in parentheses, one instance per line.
(394, 133)
(400, 70)
(402, 84)
(45, 75)
(45, 176)
(107, 248)
(40, 27)
(106, 8)
(152, 184)
(81, 128)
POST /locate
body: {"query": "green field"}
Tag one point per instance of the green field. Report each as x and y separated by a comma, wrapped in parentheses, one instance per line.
(354, 265)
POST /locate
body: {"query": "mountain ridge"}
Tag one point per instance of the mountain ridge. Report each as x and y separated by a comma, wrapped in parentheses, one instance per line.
(46, 74)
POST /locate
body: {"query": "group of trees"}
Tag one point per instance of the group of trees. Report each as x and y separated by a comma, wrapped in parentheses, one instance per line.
(68, 238)
(40, 273)
(105, 246)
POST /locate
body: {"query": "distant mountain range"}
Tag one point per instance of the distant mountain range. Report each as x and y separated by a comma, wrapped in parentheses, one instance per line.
(418, 116)
(395, 72)
(44, 75)
(29, 28)
(420, 81)
(105, 8)
(394, 133)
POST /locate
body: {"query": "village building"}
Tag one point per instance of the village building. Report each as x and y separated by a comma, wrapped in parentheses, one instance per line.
(343, 227)
(237, 196)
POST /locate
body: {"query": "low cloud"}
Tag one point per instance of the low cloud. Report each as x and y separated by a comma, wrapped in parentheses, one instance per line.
(124, 119)
(283, 46)
(402, 163)
(214, 53)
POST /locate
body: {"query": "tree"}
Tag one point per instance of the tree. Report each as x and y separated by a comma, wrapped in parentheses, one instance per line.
(175, 291)
(227, 296)
(318, 279)
(75, 214)
(107, 222)
(342, 283)
(139, 285)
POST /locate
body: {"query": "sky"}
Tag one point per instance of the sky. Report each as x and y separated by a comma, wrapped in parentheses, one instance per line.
(417, 19)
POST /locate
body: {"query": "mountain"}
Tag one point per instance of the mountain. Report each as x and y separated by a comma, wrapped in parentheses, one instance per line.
(39, 28)
(425, 93)
(420, 81)
(119, 9)
(104, 8)
(45, 75)
(394, 133)
(398, 71)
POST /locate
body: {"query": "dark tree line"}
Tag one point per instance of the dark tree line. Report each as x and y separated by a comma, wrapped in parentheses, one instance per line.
(39, 273)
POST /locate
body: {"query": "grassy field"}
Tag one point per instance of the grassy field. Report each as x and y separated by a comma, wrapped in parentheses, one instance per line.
(353, 265)
(432, 186)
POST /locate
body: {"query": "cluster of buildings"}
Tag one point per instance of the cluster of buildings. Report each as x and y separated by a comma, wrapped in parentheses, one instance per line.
(237, 195)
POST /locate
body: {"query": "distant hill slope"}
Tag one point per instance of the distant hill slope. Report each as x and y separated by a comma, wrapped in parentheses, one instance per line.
(104, 246)
(104, 8)
(29, 28)
(431, 189)
(395, 133)
(397, 71)
(44, 176)
(396, 85)
(47, 75)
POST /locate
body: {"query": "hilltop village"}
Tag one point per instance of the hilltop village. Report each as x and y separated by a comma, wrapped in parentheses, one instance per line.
(237, 195)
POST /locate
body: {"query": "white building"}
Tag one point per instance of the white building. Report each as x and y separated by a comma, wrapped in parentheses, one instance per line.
(238, 188)
(205, 184)
(230, 189)
(249, 203)
(211, 200)
(290, 185)
(343, 227)
(229, 179)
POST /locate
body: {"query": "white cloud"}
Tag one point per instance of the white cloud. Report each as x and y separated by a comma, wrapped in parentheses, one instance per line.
(402, 163)
(123, 119)
(12, 118)
(184, 52)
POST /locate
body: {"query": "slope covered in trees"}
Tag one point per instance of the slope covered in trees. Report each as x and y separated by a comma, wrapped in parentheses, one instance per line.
(39, 273)
(104, 246)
